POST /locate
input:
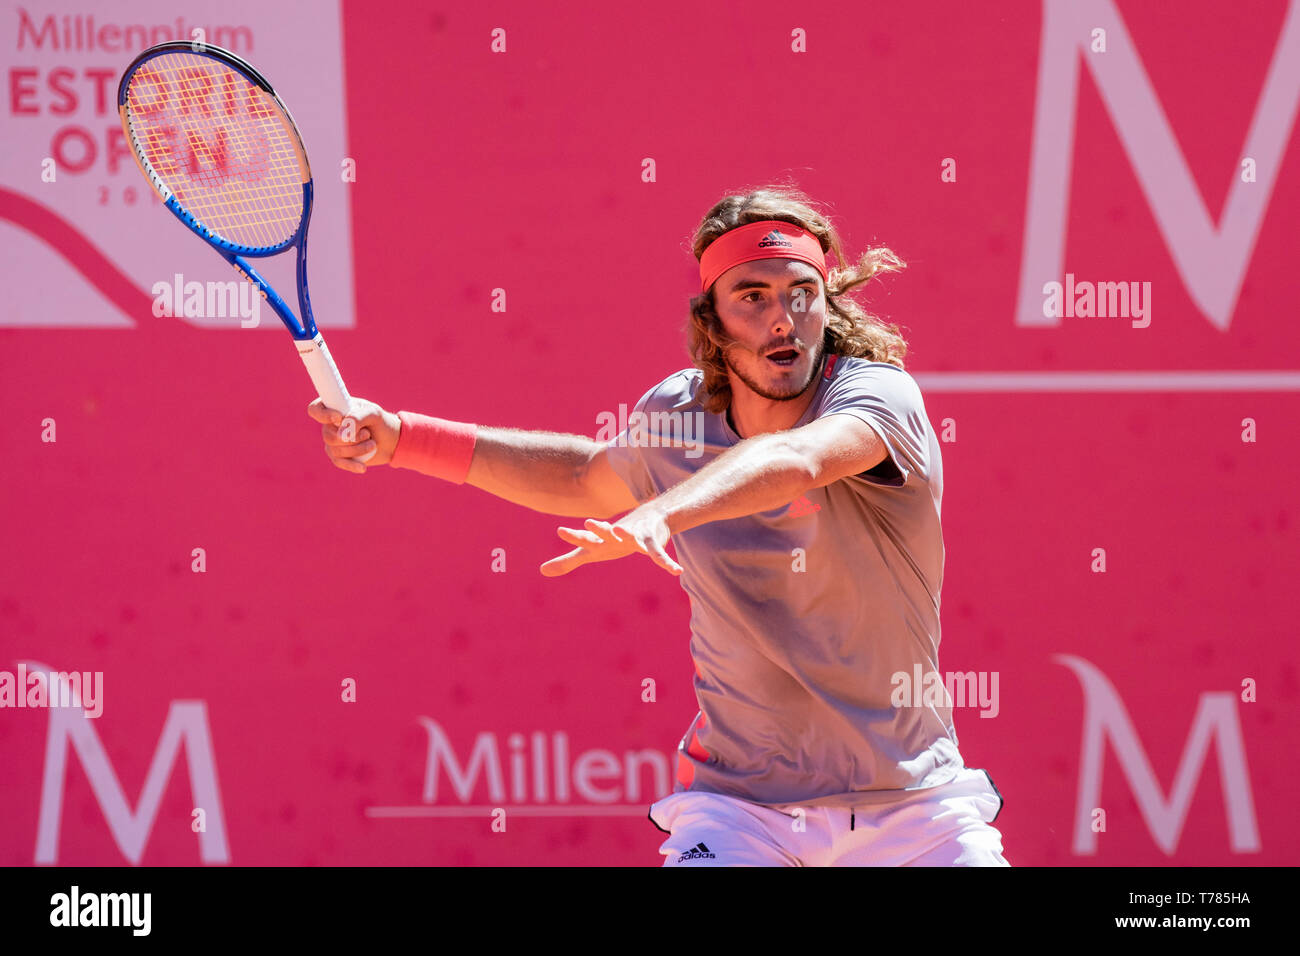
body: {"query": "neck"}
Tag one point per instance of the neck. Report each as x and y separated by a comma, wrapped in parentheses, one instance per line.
(751, 414)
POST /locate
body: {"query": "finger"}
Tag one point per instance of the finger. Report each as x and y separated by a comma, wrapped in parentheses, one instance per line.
(661, 558)
(337, 436)
(350, 429)
(347, 464)
(323, 413)
(358, 437)
(355, 450)
(564, 563)
(579, 537)
(627, 536)
(604, 529)
(368, 455)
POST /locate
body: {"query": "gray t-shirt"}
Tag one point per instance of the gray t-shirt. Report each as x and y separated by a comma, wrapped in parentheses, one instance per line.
(802, 615)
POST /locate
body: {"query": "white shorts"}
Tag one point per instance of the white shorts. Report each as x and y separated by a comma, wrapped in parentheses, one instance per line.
(949, 825)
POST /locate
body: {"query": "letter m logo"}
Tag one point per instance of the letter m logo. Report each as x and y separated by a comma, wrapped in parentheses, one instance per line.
(187, 722)
(1105, 717)
(1211, 259)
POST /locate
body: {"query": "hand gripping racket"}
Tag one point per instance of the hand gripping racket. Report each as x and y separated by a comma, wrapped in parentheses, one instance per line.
(218, 145)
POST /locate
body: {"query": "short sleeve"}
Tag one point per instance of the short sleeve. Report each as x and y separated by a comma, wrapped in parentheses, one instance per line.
(625, 457)
(889, 400)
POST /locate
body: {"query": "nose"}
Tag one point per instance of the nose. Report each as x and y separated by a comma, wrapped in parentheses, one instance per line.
(783, 317)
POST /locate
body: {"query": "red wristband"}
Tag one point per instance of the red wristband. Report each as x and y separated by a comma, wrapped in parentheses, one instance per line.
(435, 447)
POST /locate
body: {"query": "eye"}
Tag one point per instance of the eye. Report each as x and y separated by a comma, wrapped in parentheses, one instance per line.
(745, 298)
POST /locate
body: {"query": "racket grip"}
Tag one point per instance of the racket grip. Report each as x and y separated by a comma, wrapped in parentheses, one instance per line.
(325, 376)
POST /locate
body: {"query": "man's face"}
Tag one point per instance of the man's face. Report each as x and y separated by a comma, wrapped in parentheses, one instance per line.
(775, 309)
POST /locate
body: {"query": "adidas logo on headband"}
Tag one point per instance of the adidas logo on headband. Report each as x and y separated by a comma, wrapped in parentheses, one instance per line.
(776, 240)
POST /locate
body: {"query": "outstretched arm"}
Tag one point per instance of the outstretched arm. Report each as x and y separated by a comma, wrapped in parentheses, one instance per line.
(759, 474)
(548, 472)
(545, 471)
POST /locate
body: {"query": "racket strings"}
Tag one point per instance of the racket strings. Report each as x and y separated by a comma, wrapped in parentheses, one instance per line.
(220, 145)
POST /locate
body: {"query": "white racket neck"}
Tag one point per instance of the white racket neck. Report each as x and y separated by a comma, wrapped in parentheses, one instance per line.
(324, 373)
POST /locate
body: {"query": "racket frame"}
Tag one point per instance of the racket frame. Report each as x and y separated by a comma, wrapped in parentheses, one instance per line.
(307, 338)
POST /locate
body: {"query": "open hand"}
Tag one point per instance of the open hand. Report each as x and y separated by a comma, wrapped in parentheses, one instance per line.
(644, 530)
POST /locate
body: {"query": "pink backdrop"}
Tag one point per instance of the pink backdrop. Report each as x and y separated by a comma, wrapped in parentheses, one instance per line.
(522, 171)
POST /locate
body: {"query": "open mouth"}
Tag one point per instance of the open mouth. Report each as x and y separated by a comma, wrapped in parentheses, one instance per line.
(783, 358)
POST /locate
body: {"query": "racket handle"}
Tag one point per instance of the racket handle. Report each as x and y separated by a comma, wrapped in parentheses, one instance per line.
(325, 376)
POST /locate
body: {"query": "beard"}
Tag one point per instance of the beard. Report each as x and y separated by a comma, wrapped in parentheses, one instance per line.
(776, 392)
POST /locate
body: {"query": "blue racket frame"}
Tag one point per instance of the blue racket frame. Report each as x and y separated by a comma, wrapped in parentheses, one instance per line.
(234, 253)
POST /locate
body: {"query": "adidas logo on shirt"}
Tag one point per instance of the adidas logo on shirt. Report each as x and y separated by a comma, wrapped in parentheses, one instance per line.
(697, 852)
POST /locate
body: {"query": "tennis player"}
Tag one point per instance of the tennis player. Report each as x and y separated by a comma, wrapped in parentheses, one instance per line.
(805, 517)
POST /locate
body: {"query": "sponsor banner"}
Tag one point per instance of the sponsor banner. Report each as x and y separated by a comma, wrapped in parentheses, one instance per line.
(81, 226)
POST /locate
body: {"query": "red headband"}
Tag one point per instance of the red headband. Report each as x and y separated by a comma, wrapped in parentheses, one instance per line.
(769, 239)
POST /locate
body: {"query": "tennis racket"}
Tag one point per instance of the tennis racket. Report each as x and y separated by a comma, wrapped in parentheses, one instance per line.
(220, 148)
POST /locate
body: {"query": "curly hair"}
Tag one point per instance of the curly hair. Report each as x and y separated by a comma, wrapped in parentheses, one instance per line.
(850, 329)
